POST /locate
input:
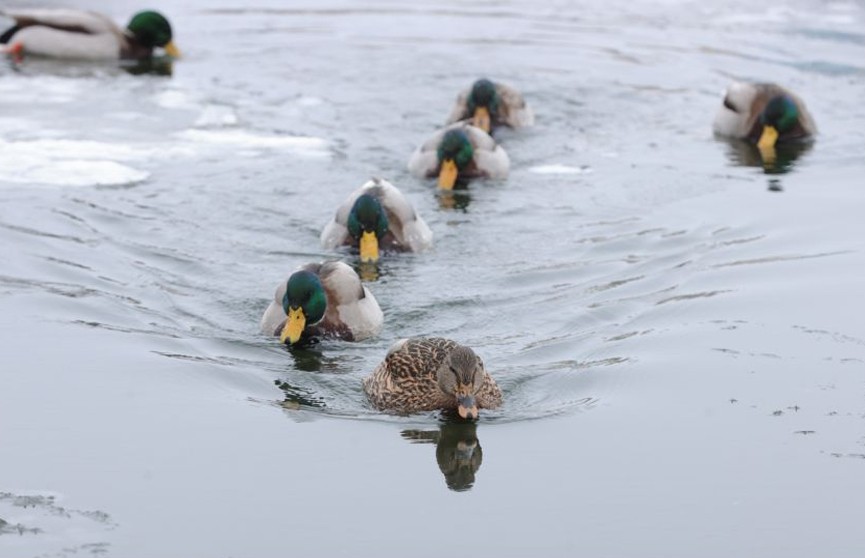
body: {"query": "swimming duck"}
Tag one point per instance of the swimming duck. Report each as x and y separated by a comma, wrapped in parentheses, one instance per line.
(431, 373)
(322, 300)
(67, 33)
(763, 114)
(376, 217)
(457, 153)
(491, 105)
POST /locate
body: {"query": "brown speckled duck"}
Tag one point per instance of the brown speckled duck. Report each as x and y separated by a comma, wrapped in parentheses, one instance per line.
(432, 373)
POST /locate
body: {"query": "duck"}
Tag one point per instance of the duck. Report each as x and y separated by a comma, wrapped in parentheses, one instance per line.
(432, 373)
(763, 114)
(377, 217)
(490, 105)
(79, 34)
(322, 300)
(457, 153)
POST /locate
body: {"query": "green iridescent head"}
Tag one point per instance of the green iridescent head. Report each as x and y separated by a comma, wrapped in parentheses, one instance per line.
(304, 291)
(781, 112)
(367, 215)
(455, 146)
(483, 94)
(150, 28)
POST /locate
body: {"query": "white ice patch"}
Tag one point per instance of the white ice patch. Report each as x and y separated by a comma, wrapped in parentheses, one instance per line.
(175, 99)
(69, 163)
(309, 101)
(77, 173)
(216, 116)
(241, 139)
(559, 169)
(41, 90)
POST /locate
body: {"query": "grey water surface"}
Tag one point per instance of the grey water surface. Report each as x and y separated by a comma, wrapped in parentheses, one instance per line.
(677, 328)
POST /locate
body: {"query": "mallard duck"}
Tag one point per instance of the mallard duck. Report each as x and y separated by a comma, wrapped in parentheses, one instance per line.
(322, 300)
(66, 33)
(763, 114)
(457, 153)
(377, 216)
(490, 105)
(431, 373)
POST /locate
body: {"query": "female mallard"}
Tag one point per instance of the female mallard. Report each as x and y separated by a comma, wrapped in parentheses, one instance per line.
(426, 374)
(457, 153)
(377, 216)
(492, 105)
(322, 300)
(66, 33)
(763, 114)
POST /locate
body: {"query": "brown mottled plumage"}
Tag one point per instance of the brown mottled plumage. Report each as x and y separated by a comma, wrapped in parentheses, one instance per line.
(432, 373)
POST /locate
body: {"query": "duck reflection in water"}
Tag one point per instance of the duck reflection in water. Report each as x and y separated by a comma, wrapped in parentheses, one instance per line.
(457, 199)
(458, 451)
(306, 359)
(781, 159)
(368, 271)
(157, 66)
(297, 397)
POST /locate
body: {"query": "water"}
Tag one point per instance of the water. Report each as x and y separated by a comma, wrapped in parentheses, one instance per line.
(676, 330)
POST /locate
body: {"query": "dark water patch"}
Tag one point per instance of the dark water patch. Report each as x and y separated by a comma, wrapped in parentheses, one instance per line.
(776, 259)
(691, 296)
(833, 35)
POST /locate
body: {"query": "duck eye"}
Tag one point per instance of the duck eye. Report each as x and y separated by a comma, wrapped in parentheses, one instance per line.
(729, 105)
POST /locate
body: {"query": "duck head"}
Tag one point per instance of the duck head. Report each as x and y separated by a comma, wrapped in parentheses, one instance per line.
(461, 375)
(455, 153)
(482, 102)
(304, 304)
(367, 224)
(151, 29)
(779, 116)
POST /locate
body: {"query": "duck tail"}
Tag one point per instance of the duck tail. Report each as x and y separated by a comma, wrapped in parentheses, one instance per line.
(8, 34)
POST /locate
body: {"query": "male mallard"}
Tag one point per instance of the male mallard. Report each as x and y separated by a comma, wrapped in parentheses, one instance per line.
(430, 373)
(377, 216)
(322, 300)
(65, 33)
(763, 114)
(459, 152)
(491, 105)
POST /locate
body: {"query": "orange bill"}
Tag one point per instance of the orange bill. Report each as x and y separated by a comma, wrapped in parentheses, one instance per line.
(467, 407)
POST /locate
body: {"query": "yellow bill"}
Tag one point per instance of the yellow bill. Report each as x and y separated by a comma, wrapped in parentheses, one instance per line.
(368, 247)
(481, 119)
(172, 50)
(294, 326)
(768, 137)
(448, 175)
(766, 144)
